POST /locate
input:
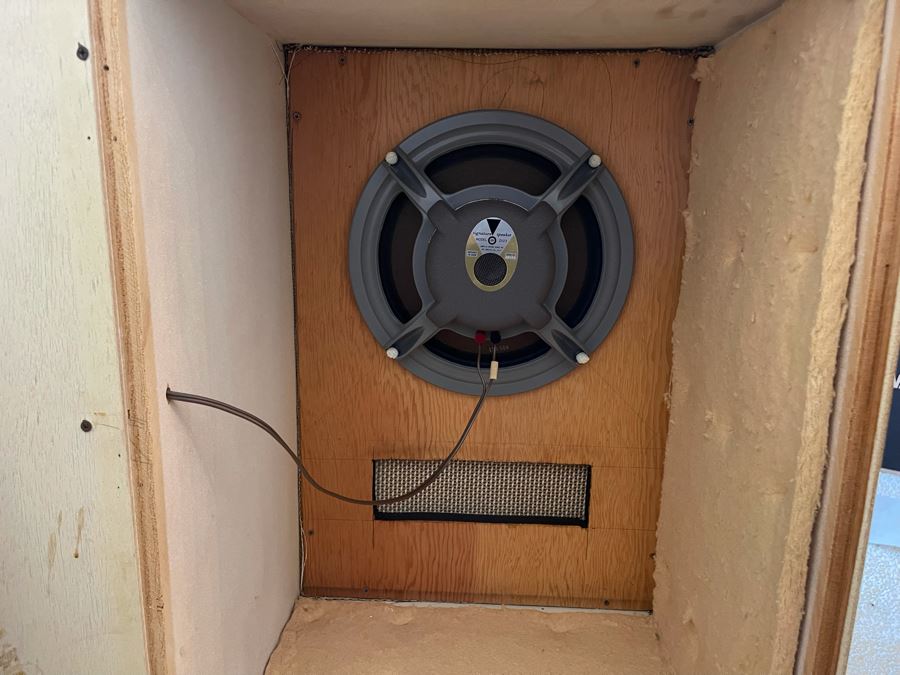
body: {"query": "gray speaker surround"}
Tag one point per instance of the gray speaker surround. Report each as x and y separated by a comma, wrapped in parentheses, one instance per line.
(452, 237)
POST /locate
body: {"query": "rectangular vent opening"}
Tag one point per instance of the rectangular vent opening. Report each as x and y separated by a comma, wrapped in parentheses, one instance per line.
(485, 492)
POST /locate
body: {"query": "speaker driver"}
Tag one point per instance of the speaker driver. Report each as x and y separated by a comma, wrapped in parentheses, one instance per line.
(497, 221)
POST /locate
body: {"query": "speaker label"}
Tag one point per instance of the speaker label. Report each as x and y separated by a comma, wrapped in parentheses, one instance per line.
(492, 253)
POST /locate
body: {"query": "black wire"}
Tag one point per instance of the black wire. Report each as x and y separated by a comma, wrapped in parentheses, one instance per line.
(265, 426)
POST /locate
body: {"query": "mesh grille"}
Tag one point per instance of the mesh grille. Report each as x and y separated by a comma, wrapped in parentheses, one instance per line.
(506, 492)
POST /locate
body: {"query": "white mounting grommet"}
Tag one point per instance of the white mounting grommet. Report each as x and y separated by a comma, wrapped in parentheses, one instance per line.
(582, 358)
(391, 352)
(594, 161)
(391, 158)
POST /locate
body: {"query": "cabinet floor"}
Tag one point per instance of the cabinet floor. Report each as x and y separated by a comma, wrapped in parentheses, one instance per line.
(346, 636)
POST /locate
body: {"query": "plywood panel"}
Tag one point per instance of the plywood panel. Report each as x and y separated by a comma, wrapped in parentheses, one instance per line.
(459, 562)
(348, 109)
(133, 309)
(70, 588)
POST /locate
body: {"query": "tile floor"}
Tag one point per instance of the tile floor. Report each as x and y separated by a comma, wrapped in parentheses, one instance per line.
(875, 646)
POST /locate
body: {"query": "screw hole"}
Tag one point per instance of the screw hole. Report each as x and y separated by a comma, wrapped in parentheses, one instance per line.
(636, 62)
(86, 426)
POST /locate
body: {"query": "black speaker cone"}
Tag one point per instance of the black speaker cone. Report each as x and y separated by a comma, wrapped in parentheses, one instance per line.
(492, 164)
(583, 243)
(395, 258)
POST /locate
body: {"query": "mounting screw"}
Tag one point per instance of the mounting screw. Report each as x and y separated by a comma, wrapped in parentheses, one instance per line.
(296, 116)
(391, 158)
(391, 352)
(582, 358)
(86, 426)
(82, 52)
(594, 161)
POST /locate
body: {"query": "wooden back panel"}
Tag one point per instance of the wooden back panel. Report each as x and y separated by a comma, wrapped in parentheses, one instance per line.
(347, 110)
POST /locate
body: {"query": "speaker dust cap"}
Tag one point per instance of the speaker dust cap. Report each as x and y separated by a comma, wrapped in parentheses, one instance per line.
(496, 221)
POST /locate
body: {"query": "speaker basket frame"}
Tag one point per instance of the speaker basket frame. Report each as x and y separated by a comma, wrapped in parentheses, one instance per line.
(491, 127)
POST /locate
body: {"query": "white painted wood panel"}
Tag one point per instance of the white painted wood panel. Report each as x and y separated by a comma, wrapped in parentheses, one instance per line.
(69, 585)
(211, 151)
(504, 24)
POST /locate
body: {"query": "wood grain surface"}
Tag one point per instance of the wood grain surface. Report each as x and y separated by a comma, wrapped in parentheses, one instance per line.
(347, 109)
(132, 295)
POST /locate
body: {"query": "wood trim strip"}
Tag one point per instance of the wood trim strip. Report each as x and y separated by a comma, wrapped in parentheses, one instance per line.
(114, 106)
(860, 383)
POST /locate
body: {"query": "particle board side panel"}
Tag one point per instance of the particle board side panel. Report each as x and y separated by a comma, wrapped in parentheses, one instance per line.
(781, 125)
(862, 385)
(70, 595)
(348, 109)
